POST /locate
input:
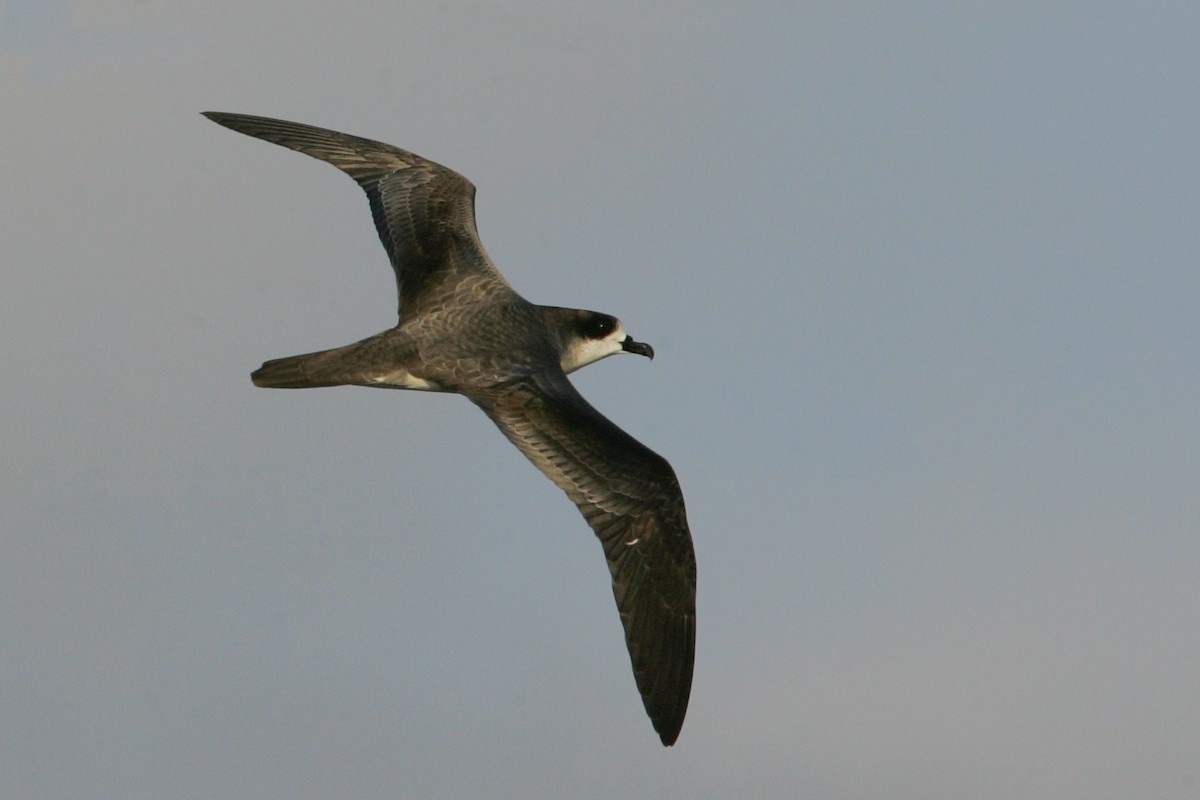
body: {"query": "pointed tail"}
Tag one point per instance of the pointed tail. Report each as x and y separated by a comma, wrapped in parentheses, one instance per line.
(324, 368)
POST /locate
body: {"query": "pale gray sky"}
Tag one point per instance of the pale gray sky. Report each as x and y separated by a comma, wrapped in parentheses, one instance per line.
(923, 285)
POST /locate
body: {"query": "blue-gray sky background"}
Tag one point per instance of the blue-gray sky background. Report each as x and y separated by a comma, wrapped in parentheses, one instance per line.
(923, 284)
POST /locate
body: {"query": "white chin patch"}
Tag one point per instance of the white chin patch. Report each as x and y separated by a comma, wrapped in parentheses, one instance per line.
(588, 351)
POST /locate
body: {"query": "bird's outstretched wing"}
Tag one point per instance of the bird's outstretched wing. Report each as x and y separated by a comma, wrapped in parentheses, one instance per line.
(424, 212)
(630, 497)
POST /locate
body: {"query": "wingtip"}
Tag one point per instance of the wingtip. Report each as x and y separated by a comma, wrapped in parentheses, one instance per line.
(668, 730)
(220, 117)
(233, 121)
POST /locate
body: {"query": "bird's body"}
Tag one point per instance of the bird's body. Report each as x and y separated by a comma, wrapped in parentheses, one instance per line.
(463, 329)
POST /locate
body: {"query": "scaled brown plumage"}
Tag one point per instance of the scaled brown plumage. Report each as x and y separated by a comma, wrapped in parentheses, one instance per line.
(463, 329)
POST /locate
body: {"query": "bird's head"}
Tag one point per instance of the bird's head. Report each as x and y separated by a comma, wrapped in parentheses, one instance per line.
(590, 336)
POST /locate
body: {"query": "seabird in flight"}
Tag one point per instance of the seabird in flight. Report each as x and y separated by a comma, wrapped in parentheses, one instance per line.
(463, 329)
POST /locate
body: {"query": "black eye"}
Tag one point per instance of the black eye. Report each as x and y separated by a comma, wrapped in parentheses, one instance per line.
(598, 326)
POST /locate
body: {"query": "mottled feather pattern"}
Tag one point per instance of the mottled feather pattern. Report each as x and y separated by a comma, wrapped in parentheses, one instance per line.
(641, 525)
(463, 329)
(424, 212)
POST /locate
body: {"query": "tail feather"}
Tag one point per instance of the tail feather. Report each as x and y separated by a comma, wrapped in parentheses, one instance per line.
(306, 371)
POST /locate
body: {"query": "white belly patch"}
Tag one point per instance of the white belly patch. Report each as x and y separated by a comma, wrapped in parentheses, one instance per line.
(402, 379)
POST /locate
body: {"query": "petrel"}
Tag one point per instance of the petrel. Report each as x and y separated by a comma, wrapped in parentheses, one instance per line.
(463, 329)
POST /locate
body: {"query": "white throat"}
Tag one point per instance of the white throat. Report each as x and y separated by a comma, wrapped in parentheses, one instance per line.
(581, 352)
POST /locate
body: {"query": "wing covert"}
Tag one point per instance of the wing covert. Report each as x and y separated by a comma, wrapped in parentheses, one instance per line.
(631, 498)
(424, 212)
